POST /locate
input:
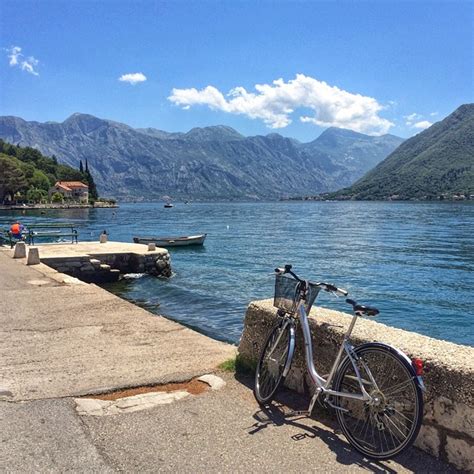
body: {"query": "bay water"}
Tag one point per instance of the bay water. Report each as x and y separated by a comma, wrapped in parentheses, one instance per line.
(413, 261)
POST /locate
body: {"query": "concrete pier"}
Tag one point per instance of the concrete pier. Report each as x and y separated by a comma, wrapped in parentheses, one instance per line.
(95, 262)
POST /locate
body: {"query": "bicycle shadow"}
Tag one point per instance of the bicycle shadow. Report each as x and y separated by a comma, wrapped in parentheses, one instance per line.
(277, 414)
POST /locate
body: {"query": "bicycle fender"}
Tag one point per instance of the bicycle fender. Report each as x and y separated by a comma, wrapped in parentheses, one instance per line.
(290, 351)
(405, 358)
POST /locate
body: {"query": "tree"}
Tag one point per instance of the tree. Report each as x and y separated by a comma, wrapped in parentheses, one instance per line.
(12, 178)
(57, 197)
(66, 173)
(40, 180)
(93, 194)
(81, 168)
(36, 195)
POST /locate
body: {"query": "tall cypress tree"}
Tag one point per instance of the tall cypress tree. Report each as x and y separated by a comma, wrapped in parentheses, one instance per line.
(93, 194)
(81, 168)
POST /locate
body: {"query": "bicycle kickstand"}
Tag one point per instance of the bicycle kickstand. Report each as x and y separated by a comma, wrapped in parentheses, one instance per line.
(305, 412)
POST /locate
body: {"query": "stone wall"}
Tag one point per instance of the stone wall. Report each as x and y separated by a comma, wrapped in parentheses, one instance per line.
(101, 268)
(448, 424)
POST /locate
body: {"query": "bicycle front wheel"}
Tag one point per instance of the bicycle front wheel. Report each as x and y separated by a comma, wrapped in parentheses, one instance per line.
(390, 423)
(274, 358)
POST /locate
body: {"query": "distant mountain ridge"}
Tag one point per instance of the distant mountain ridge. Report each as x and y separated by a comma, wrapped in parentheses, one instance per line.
(205, 163)
(436, 163)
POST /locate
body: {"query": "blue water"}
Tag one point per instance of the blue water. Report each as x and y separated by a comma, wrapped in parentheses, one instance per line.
(414, 261)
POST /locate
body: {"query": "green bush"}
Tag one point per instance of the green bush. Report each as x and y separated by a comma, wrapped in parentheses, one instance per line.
(36, 195)
(57, 197)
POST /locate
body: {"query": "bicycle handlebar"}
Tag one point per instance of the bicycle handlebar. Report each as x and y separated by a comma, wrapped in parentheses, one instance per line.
(332, 289)
(325, 286)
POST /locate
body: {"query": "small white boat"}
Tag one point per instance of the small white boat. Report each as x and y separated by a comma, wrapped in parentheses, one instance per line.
(168, 204)
(172, 241)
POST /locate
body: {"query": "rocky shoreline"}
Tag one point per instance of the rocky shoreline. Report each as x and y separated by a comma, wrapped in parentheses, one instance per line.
(24, 207)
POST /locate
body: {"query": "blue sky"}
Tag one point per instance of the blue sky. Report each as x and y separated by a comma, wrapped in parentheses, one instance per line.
(374, 67)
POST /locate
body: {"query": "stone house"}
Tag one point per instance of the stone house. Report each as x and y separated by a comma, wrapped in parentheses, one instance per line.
(71, 191)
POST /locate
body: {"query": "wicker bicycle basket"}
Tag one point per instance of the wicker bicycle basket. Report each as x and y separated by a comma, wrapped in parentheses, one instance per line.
(286, 292)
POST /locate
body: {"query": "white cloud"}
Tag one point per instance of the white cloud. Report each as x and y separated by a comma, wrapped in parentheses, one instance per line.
(422, 125)
(434, 114)
(13, 56)
(412, 118)
(16, 58)
(275, 103)
(133, 78)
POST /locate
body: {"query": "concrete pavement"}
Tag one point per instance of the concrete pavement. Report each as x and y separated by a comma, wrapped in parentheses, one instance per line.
(60, 339)
(221, 431)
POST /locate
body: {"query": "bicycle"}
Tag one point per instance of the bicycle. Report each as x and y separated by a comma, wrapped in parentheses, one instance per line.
(375, 390)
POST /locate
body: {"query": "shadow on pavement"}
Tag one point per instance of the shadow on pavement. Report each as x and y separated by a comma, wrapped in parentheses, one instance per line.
(286, 401)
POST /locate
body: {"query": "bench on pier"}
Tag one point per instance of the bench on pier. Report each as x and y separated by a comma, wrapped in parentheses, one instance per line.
(36, 232)
(51, 231)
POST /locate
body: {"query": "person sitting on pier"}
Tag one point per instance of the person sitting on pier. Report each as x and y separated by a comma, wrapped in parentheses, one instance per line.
(17, 229)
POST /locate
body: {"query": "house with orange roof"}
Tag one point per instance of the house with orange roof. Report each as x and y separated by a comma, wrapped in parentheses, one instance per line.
(71, 190)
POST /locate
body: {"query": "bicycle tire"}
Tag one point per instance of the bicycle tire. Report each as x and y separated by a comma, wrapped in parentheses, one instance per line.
(270, 371)
(383, 430)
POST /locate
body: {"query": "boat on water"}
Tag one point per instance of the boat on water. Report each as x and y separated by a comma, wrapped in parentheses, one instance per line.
(168, 204)
(172, 241)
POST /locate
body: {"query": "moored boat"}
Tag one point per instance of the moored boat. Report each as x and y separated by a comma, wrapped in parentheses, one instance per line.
(172, 241)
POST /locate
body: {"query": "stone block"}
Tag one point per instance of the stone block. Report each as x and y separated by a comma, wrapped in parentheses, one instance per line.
(87, 268)
(452, 415)
(215, 382)
(103, 238)
(63, 269)
(151, 246)
(20, 250)
(428, 440)
(460, 453)
(33, 256)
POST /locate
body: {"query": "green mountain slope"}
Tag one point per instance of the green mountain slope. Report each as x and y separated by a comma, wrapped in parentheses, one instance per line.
(28, 175)
(438, 161)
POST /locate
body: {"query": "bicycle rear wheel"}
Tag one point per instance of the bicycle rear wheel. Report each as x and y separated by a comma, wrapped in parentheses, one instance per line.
(274, 358)
(391, 423)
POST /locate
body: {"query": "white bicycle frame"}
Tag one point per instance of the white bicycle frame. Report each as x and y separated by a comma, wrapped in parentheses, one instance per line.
(322, 384)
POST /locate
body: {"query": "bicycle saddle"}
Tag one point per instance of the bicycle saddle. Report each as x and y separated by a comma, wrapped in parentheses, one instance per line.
(363, 309)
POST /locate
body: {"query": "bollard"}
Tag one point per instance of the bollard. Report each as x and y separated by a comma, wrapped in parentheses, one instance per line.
(33, 256)
(20, 250)
(103, 238)
(151, 246)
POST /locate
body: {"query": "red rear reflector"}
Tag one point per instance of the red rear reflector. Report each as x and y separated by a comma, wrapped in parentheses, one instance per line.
(418, 366)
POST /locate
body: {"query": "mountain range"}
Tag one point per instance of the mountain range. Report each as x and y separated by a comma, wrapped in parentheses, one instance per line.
(205, 163)
(436, 163)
